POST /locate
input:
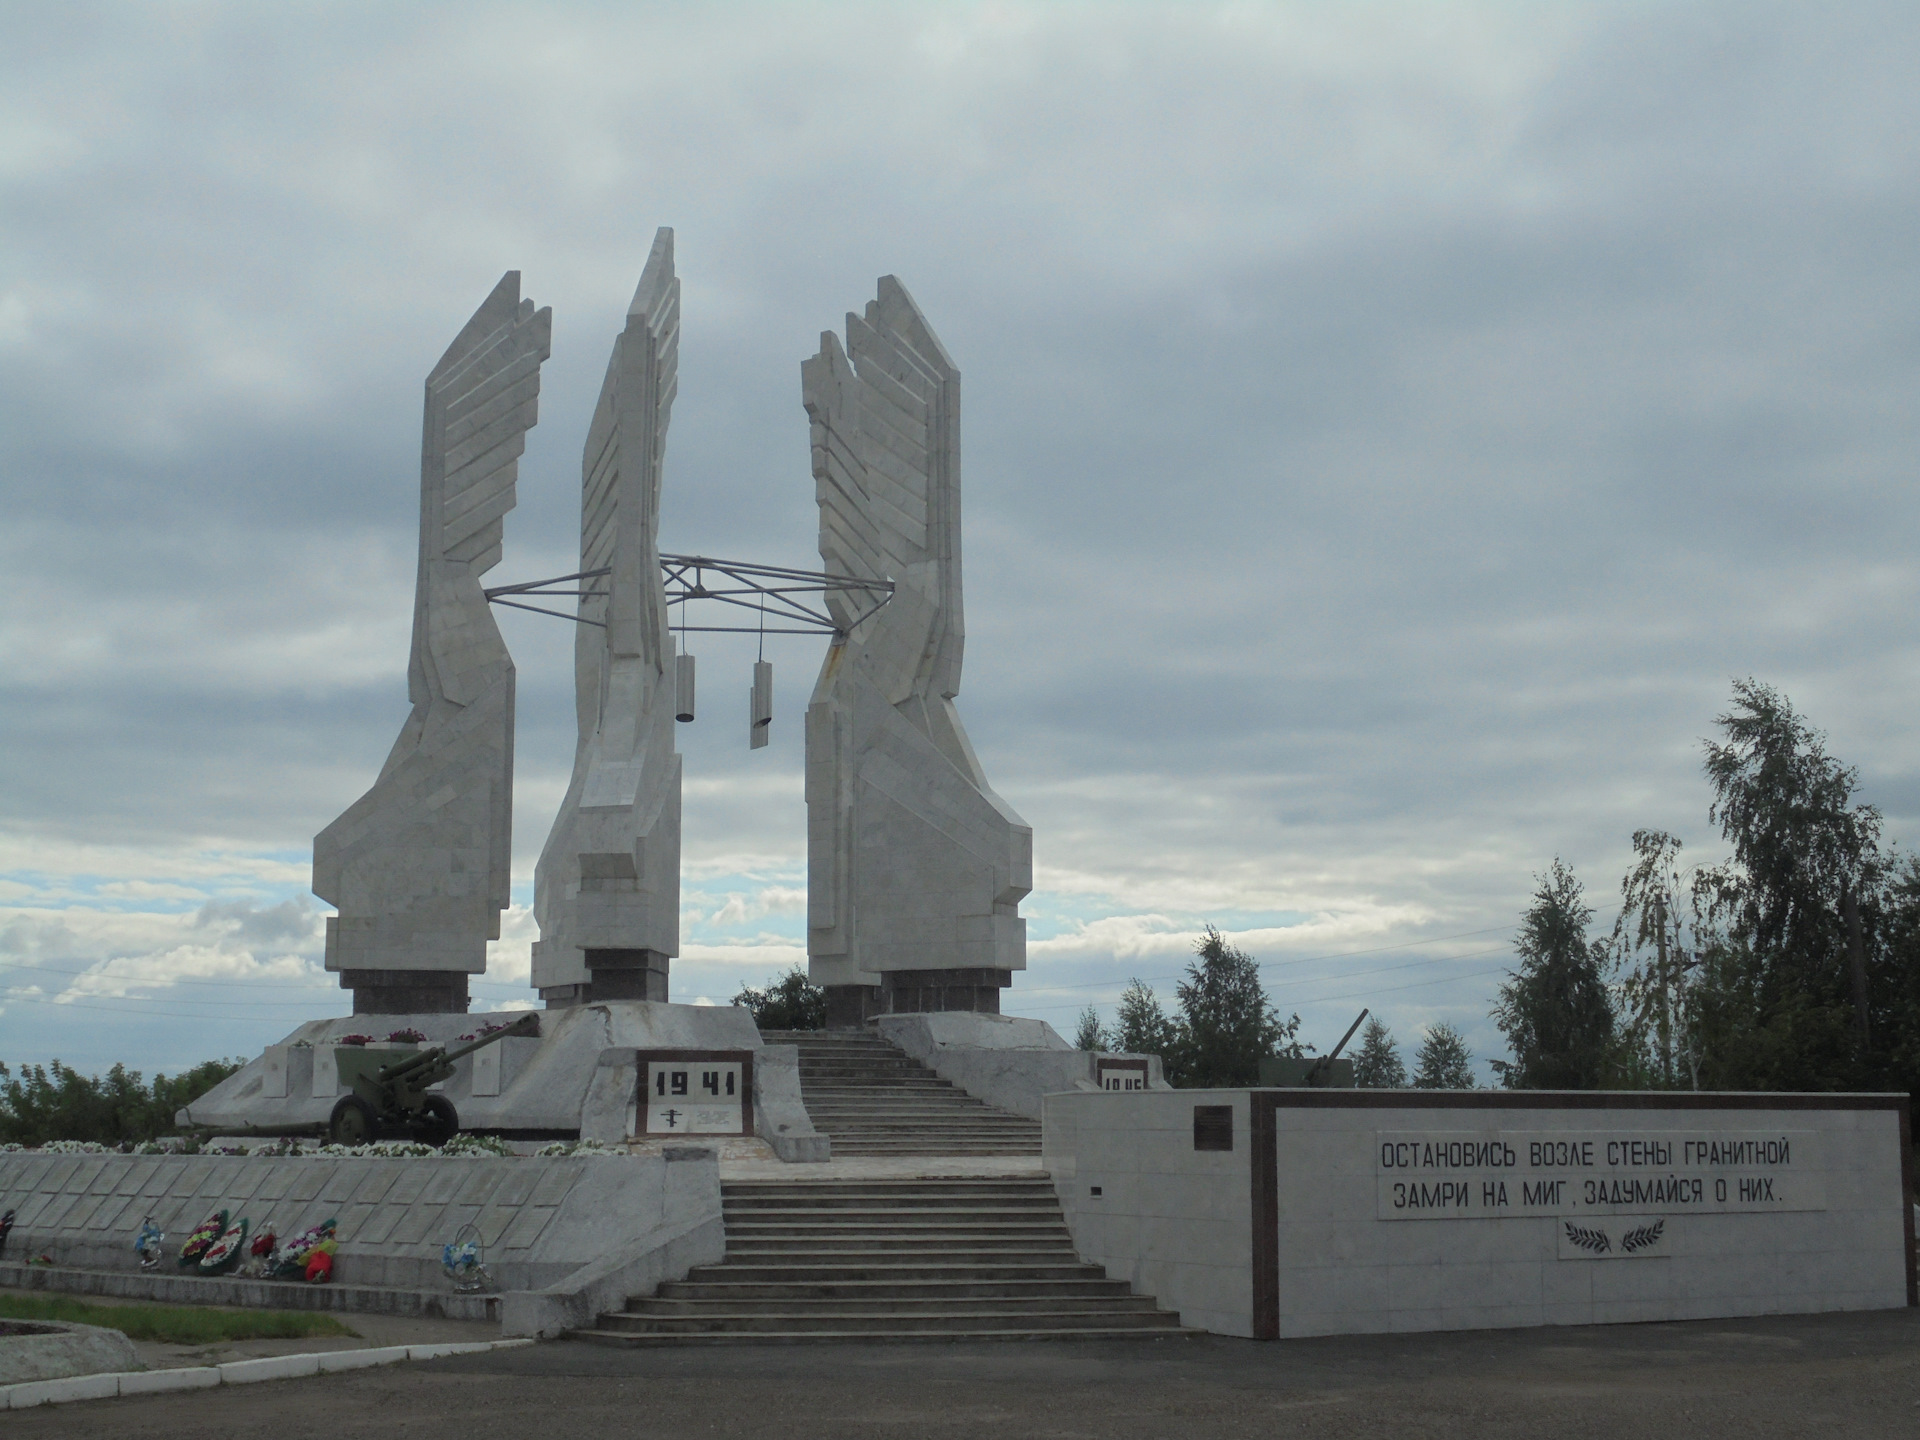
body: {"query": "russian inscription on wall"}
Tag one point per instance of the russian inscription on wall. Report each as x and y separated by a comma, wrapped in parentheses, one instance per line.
(1605, 1172)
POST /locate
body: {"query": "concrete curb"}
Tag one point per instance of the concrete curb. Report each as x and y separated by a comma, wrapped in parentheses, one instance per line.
(31, 1393)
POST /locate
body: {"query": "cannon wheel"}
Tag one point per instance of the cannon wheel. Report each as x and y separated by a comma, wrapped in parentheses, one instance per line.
(352, 1122)
(438, 1121)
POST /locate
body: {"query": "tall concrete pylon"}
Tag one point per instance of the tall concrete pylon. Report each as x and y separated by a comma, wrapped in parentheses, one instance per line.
(915, 867)
(418, 866)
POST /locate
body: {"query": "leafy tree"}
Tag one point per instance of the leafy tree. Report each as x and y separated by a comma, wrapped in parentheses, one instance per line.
(1230, 1026)
(1444, 1062)
(1377, 1064)
(1801, 904)
(1091, 1035)
(1555, 1010)
(1141, 1027)
(1654, 943)
(790, 1002)
(1895, 978)
(57, 1102)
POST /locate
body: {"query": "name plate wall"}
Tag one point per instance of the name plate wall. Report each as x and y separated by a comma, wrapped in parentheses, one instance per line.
(694, 1092)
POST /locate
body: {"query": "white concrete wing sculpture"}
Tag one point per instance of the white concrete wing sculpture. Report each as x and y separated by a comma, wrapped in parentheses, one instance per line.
(915, 867)
(607, 889)
(417, 866)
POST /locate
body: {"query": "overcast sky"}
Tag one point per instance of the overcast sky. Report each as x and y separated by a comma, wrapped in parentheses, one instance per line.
(1388, 430)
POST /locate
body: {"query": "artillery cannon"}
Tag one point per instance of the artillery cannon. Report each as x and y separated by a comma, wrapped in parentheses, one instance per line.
(1324, 1072)
(390, 1088)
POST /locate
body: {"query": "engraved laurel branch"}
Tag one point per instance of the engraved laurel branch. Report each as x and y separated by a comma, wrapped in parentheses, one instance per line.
(1641, 1238)
(1594, 1242)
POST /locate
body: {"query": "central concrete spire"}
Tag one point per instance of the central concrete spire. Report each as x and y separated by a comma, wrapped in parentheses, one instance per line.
(607, 888)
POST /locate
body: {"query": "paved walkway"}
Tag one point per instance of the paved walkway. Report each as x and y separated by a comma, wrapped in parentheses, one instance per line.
(1828, 1376)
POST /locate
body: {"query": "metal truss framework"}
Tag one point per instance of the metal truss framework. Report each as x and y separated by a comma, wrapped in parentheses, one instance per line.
(768, 590)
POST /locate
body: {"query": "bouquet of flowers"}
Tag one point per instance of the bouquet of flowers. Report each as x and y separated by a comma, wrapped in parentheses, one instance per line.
(408, 1036)
(202, 1239)
(292, 1264)
(225, 1252)
(147, 1243)
(262, 1254)
(461, 1261)
(320, 1262)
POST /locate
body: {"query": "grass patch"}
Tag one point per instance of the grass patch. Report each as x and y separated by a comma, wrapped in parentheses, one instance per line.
(174, 1324)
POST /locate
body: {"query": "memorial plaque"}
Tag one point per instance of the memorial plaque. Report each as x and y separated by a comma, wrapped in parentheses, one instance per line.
(1113, 1074)
(695, 1092)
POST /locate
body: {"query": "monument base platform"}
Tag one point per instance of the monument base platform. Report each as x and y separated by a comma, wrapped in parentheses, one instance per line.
(532, 1086)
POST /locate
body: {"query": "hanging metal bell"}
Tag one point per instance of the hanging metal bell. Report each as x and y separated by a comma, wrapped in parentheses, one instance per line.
(760, 704)
(683, 688)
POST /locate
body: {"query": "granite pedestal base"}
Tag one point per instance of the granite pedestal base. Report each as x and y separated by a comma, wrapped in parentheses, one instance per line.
(406, 992)
(614, 975)
(916, 992)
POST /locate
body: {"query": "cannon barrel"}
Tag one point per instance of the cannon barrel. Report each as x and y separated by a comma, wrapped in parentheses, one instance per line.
(1324, 1064)
(528, 1024)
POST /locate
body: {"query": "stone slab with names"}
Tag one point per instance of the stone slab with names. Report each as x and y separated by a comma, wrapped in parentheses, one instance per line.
(694, 1092)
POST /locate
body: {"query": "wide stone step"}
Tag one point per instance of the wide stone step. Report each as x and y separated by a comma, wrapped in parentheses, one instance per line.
(801, 1320)
(933, 1223)
(826, 1200)
(930, 1233)
(1024, 1182)
(944, 1234)
(1100, 1304)
(881, 1207)
(958, 1131)
(978, 1117)
(1010, 1257)
(934, 1292)
(932, 1151)
(892, 1101)
(874, 1336)
(945, 1114)
(933, 1228)
(854, 1247)
(801, 1271)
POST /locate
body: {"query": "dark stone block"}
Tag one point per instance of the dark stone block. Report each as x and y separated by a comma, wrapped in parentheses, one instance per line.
(406, 992)
(614, 975)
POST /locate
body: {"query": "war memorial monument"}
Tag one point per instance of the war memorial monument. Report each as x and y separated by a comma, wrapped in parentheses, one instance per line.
(925, 1166)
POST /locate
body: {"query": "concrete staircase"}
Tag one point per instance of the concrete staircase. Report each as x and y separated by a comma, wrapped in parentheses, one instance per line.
(889, 1260)
(874, 1099)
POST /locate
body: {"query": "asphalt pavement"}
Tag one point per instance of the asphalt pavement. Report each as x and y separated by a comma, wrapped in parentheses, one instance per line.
(1837, 1377)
